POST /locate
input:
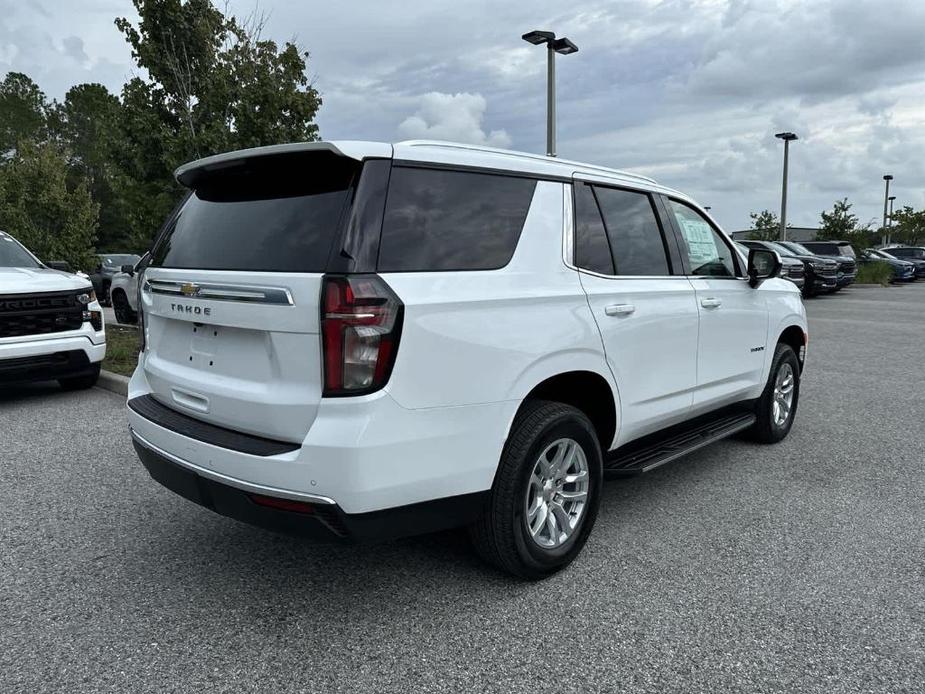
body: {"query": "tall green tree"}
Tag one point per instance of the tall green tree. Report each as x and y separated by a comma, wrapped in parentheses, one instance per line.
(837, 223)
(23, 111)
(840, 224)
(908, 226)
(89, 123)
(45, 208)
(765, 226)
(213, 84)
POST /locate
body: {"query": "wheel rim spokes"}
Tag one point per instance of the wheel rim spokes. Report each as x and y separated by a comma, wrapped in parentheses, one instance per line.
(557, 493)
(782, 401)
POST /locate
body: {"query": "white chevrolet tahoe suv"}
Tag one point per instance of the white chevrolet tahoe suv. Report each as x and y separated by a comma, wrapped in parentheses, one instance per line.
(51, 325)
(359, 340)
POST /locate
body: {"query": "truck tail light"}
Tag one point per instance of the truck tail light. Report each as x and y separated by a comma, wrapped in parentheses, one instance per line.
(361, 321)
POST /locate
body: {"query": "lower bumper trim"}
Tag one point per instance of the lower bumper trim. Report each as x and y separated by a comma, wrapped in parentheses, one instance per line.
(320, 519)
(45, 367)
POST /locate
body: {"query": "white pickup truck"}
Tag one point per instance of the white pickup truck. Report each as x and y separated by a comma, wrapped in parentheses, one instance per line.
(51, 324)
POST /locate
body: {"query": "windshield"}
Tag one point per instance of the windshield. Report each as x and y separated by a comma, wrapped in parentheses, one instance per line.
(118, 260)
(797, 248)
(12, 254)
(783, 250)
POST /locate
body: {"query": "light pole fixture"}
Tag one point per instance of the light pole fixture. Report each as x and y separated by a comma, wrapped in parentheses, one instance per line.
(886, 198)
(787, 138)
(562, 46)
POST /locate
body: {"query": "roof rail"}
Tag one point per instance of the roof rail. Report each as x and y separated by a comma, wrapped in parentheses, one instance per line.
(524, 155)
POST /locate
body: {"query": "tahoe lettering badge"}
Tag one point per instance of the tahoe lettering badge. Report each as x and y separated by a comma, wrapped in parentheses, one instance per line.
(192, 310)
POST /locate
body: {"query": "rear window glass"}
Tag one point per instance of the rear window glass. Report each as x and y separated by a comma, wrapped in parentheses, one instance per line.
(633, 230)
(592, 250)
(279, 214)
(452, 220)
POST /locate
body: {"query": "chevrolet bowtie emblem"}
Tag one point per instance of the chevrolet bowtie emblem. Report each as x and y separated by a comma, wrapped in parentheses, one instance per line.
(190, 289)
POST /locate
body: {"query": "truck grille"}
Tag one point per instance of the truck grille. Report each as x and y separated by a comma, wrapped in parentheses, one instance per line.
(39, 314)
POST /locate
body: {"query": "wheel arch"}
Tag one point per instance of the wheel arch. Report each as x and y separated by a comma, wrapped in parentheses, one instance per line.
(796, 337)
(588, 391)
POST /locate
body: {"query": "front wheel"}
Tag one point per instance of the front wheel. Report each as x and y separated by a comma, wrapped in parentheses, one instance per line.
(546, 493)
(777, 405)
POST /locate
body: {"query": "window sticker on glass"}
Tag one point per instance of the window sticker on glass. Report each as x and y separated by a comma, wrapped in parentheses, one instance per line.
(699, 238)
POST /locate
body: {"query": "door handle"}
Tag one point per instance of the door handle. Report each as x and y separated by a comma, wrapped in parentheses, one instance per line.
(619, 309)
(711, 303)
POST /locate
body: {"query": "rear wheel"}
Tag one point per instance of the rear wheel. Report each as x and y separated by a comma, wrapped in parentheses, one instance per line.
(546, 493)
(81, 382)
(120, 306)
(777, 405)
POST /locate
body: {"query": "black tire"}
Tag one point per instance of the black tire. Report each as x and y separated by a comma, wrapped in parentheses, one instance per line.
(81, 382)
(767, 429)
(501, 535)
(120, 306)
(105, 298)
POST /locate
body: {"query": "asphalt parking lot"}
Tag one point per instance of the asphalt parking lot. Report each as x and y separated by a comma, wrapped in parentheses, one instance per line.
(796, 567)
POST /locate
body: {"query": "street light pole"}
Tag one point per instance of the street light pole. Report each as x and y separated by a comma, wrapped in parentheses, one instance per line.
(787, 138)
(890, 219)
(886, 197)
(550, 100)
(562, 46)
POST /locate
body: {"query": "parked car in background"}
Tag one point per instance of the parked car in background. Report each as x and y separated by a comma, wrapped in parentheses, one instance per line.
(109, 264)
(792, 269)
(903, 270)
(912, 254)
(124, 292)
(437, 334)
(51, 324)
(821, 274)
(837, 250)
(831, 248)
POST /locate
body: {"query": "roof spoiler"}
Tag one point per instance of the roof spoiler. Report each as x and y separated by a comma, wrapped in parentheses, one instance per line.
(189, 174)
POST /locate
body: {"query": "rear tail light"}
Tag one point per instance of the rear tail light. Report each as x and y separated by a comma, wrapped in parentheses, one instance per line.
(360, 326)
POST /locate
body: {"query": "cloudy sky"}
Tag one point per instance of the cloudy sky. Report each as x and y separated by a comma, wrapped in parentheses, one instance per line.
(688, 91)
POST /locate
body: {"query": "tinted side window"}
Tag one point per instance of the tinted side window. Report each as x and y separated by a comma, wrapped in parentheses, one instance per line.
(632, 227)
(707, 251)
(592, 250)
(452, 220)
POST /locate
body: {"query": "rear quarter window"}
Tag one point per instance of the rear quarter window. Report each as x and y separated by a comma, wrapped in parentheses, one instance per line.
(452, 220)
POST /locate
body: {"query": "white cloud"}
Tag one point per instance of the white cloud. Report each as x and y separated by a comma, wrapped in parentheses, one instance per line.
(455, 117)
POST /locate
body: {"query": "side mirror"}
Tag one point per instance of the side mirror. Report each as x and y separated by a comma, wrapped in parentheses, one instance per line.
(62, 265)
(128, 269)
(762, 265)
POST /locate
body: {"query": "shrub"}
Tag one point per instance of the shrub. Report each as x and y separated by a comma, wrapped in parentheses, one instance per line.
(877, 272)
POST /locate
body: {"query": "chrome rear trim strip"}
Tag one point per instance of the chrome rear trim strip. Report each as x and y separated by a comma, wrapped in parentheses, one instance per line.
(221, 292)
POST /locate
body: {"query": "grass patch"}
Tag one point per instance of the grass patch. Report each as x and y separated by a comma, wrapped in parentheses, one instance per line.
(121, 350)
(877, 272)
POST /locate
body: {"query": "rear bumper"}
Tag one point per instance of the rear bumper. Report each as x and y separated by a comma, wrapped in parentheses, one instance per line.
(367, 454)
(312, 517)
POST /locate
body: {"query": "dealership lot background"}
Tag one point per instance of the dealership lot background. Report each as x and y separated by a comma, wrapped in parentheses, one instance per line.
(797, 567)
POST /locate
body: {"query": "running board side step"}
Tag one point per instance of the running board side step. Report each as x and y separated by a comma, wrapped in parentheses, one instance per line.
(657, 449)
